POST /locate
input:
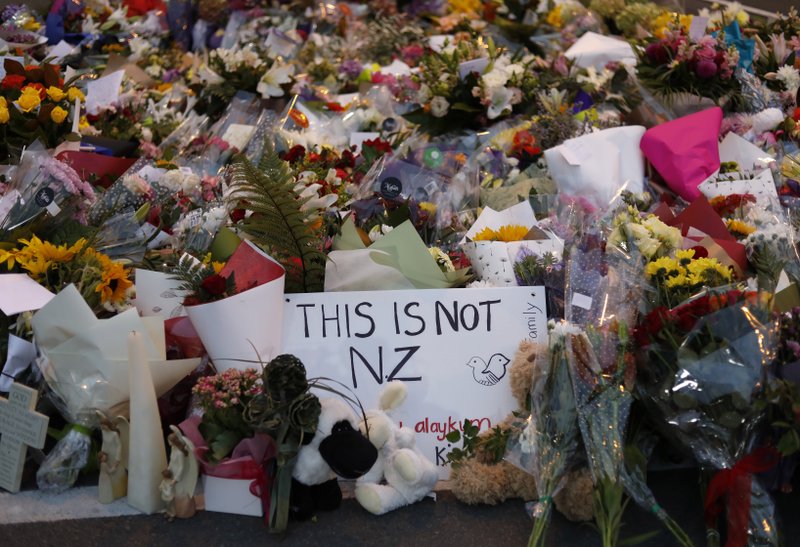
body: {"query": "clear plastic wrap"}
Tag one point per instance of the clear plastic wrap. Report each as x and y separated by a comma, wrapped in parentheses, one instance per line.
(604, 291)
(702, 376)
(41, 186)
(550, 436)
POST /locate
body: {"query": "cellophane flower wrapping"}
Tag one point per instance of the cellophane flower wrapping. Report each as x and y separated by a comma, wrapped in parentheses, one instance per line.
(702, 373)
(549, 438)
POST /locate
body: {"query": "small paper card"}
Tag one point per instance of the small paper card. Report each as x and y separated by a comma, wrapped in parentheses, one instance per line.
(238, 135)
(698, 27)
(19, 293)
(475, 65)
(761, 185)
(279, 44)
(103, 92)
(230, 496)
(60, 50)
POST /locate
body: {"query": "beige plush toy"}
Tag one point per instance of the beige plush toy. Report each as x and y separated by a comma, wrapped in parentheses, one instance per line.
(485, 478)
(402, 474)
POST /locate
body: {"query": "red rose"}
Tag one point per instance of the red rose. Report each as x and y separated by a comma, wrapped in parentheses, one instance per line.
(378, 145)
(237, 215)
(700, 251)
(295, 153)
(796, 114)
(12, 81)
(214, 285)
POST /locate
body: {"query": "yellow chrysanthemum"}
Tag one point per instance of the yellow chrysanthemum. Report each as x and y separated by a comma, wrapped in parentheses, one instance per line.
(114, 284)
(663, 267)
(708, 271)
(512, 232)
(3, 103)
(56, 94)
(29, 99)
(679, 280)
(58, 115)
(739, 229)
(75, 93)
(684, 256)
(5, 115)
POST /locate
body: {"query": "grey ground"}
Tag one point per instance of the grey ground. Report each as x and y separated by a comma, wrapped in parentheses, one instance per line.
(443, 523)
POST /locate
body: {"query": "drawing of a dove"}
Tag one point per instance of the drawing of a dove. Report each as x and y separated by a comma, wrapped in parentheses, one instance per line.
(488, 374)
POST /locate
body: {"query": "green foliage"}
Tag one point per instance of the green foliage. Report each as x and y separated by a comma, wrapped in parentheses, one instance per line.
(277, 222)
(493, 444)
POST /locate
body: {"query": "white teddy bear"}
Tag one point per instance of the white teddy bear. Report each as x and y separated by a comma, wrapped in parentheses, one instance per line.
(402, 474)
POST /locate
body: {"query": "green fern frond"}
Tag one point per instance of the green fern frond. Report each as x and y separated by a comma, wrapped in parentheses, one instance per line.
(277, 222)
(191, 273)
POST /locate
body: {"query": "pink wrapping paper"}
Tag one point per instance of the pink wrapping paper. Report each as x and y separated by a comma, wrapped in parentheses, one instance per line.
(685, 151)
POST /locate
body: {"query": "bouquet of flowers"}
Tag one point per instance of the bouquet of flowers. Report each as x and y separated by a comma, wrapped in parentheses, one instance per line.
(42, 186)
(702, 375)
(34, 104)
(550, 437)
(677, 64)
(224, 399)
(469, 83)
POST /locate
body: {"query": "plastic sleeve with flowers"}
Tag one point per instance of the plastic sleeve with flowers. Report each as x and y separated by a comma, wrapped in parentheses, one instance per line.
(549, 438)
(701, 375)
(207, 154)
(43, 184)
(137, 186)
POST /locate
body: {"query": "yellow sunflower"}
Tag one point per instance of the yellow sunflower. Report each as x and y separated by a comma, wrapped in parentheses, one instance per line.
(512, 232)
(739, 229)
(487, 234)
(114, 284)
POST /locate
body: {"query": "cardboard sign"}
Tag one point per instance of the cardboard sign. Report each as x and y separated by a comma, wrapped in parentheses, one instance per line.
(452, 348)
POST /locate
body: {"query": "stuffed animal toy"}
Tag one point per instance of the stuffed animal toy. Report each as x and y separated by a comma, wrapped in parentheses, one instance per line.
(487, 478)
(337, 449)
(402, 474)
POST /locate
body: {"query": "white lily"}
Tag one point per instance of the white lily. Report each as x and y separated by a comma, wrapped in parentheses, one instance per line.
(500, 101)
(270, 84)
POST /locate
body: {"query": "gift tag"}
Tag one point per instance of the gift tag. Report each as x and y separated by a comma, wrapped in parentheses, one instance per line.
(60, 50)
(45, 198)
(476, 65)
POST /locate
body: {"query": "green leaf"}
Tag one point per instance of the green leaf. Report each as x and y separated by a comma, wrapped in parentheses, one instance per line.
(641, 538)
(453, 437)
(464, 107)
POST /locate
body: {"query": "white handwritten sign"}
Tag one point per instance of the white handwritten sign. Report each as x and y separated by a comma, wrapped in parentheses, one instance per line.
(452, 348)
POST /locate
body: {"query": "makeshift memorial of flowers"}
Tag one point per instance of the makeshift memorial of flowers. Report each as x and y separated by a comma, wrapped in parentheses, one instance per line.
(570, 229)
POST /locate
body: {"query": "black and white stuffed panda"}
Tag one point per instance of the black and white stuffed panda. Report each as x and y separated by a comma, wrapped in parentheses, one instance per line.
(337, 449)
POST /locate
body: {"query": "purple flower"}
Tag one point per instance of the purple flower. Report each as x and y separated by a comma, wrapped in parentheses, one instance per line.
(706, 69)
(351, 68)
(657, 53)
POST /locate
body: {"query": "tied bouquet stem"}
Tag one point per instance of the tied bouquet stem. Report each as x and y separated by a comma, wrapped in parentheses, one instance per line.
(602, 382)
(288, 412)
(549, 441)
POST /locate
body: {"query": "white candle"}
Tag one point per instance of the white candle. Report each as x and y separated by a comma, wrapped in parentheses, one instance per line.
(147, 456)
(76, 118)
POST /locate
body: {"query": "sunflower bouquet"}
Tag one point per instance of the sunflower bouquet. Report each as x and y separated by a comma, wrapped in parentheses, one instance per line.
(103, 283)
